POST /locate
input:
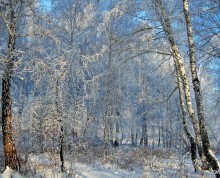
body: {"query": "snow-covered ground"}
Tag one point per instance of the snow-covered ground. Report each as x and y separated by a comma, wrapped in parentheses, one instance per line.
(83, 171)
(80, 171)
(155, 168)
(8, 173)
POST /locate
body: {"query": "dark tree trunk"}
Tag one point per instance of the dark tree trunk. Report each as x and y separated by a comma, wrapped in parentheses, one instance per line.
(145, 131)
(61, 149)
(61, 133)
(10, 153)
(117, 130)
(11, 159)
(158, 143)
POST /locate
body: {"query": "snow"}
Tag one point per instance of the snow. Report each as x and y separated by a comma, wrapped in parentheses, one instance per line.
(88, 171)
(156, 167)
(40, 159)
(41, 164)
(81, 171)
(9, 173)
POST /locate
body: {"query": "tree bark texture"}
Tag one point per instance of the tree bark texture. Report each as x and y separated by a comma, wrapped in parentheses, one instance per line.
(61, 131)
(11, 159)
(106, 120)
(107, 103)
(176, 54)
(213, 162)
(144, 130)
(117, 129)
(184, 120)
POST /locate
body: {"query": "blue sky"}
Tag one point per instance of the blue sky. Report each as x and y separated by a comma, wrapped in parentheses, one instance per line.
(46, 4)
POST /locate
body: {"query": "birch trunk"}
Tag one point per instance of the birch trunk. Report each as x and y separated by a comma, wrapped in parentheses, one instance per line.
(144, 139)
(213, 162)
(107, 109)
(184, 120)
(176, 54)
(106, 125)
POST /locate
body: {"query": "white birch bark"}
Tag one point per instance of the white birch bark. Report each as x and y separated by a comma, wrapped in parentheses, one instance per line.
(213, 162)
(176, 54)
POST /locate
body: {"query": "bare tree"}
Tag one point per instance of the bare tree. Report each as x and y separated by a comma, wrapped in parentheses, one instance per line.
(213, 162)
(11, 159)
(164, 19)
(184, 120)
(61, 129)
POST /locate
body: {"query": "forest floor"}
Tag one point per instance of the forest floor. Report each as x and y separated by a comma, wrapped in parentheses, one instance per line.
(125, 163)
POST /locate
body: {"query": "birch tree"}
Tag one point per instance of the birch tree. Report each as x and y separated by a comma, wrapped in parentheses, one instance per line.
(164, 19)
(213, 162)
(184, 120)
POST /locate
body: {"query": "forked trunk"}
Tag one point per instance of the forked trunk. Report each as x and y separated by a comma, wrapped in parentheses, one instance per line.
(176, 54)
(184, 120)
(213, 162)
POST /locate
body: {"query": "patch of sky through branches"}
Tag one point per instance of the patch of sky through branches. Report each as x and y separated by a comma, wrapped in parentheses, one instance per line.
(46, 4)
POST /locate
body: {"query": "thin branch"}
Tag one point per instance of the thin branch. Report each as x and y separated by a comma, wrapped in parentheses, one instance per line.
(170, 95)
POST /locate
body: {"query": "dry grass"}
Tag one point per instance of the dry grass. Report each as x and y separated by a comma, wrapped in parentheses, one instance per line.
(159, 163)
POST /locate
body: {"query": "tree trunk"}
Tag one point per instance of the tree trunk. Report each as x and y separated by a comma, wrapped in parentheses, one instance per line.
(184, 120)
(107, 104)
(106, 122)
(61, 132)
(111, 129)
(106, 151)
(117, 130)
(133, 132)
(144, 130)
(10, 153)
(163, 134)
(61, 148)
(176, 54)
(11, 159)
(167, 134)
(213, 162)
(159, 134)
